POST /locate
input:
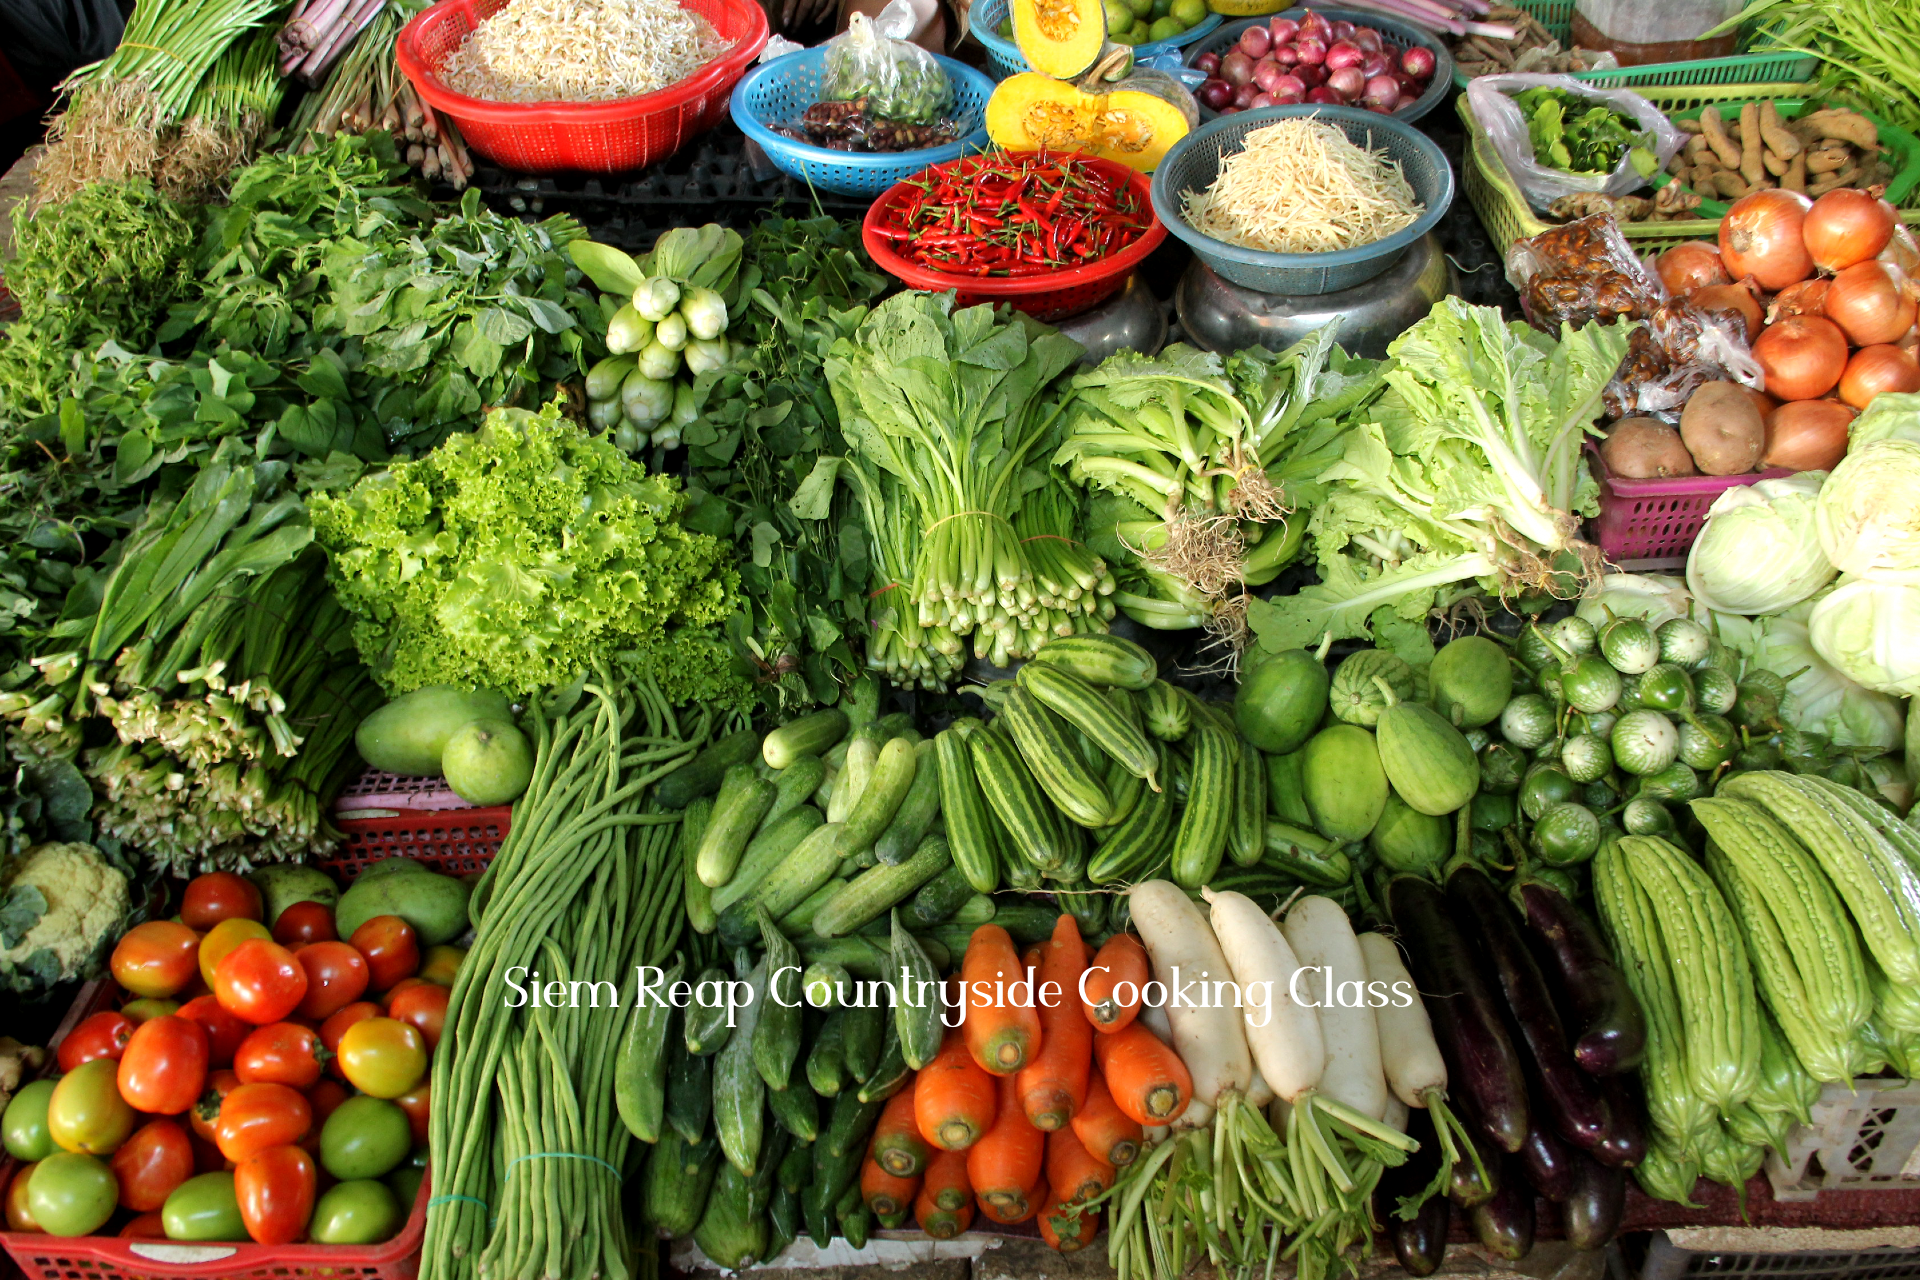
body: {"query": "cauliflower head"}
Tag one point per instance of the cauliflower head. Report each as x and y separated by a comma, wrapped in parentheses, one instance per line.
(62, 906)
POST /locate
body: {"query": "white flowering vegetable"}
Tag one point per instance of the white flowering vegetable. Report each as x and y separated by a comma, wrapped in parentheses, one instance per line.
(62, 907)
(1868, 516)
(1758, 552)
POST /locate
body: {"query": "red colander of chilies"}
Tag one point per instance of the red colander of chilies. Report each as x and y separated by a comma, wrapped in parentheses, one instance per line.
(1053, 233)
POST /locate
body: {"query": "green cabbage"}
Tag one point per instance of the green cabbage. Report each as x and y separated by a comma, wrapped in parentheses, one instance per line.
(1758, 552)
(1820, 697)
(1871, 632)
(1893, 415)
(1868, 516)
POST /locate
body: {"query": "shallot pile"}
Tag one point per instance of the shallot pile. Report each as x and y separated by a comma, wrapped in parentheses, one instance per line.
(1313, 60)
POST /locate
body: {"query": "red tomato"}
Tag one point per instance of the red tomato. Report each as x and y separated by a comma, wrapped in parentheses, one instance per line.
(207, 1157)
(424, 1008)
(224, 1030)
(150, 1164)
(304, 922)
(217, 896)
(164, 1069)
(257, 1116)
(323, 1098)
(104, 1035)
(147, 1226)
(336, 977)
(275, 1189)
(391, 948)
(260, 981)
(441, 964)
(19, 1217)
(206, 1112)
(280, 1054)
(414, 1103)
(156, 958)
(221, 940)
(336, 1026)
(405, 984)
(383, 1057)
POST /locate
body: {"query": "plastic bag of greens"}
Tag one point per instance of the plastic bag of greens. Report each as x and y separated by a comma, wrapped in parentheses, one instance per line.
(1563, 125)
(899, 81)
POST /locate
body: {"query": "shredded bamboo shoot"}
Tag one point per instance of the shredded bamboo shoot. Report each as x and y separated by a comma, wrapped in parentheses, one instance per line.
(580, 50)
(1300, 186)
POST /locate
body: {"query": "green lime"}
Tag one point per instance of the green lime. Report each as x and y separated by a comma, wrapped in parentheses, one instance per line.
(1165, 28)
(1190, 12)
(1161, 8)
(1005, 28)
(1119, 17)
(1122, 35)
(1141, 8)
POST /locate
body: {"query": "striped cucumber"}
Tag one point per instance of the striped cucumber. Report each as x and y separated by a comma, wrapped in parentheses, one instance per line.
(1167, 712)
(1100, 659)
(1016, 799)
(1088, 710)
(887, 786)
(811, 864)
(916, 812)
(1130, 851)
(1201, 840)
(1247, 833)
(969, 833)
(1057, 767)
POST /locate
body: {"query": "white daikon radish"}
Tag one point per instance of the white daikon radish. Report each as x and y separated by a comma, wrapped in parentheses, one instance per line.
(1259, 1093)
(1154, 1018)
(1414, 1067)
(1397, 1114)
(1287, 1041)
(1200, 1002)
(1198, 1115)
(1336, 981)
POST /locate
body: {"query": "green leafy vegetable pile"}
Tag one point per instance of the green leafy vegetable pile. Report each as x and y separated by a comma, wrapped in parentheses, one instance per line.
(1571, 133)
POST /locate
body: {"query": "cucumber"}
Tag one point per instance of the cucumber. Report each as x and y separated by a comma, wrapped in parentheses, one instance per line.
(1201, 839)
(823, 794)
(1086, 906)
(825, 984)
(702, 775)
(771, 849)
(1246, 833)
(744, 799)
(810, 735)
(855, 1224)
(797, 1111)
(689, 1092)
(1344, 785)
(1073, 866)
(706, 1023)
(1057, 767)
(1103, 660)
(783, 1215)
(699, 898)
(729, 1232)
(674, 1197)
(853, 776)
(848, 1129)
(1129, 851)
(787, 888)
(1088, 710)
(974, 912)
(1026, 922)
(794, 786)
(892, 1075)
(864, 955)
(880, 799)
(1016, 800)
(917, 1011)
(939, 898)
(916, 812)
(1285, 800)
(970, 834)
(739, 1094)
(827, 1072)
(870, 894)
(776, 1036)
(1167, 712)
(865, 1034)
(640, 1065)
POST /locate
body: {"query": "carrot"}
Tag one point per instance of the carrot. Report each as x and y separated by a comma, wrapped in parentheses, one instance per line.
(1103, 1129)
(946, 1180)
(1030, 958)
(941, 1224)
(954, 1101)
(1018, 1210)
(1064, 1229)
(1149, 1083)
(1121, 960)
(1053, 1084)
(1006, 1162)
(897, 1145)
(1004, 1036)
(1073, 1172)
(885, 1194)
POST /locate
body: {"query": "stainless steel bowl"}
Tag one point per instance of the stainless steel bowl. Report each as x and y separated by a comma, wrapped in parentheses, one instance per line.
(1132, 320)
(1223, 317)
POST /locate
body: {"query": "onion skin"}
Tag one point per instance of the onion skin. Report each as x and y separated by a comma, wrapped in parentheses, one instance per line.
(1255, 41)
(1690, 266)
(1872, 303)
(1808, 298)
(1807, 435)
(1802, 357)
(1760, 236)
(1876, 369)
(1847, 226)
(1417, 62)
(1903, 251)
(1737, 298)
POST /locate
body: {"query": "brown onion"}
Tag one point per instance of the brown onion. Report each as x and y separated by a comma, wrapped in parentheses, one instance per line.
(1762, 402)
(1903, 251)
(1690, 266)
(1846, 226)
(1761, 237)
(1808, 298)
(1807, 435)
(1875, 369)
(1872, 302)
(1738, 298)
(1802, 357)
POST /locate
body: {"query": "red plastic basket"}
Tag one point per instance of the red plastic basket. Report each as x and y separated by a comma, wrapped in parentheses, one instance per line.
(598, 137)
(455, 841)
(1054, 296)
(1651, 524)
(377, 789)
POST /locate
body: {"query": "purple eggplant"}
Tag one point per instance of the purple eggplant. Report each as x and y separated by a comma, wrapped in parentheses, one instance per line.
(1570, 1097)
(1466, 1186)
(1592, 1213)
(1547, 1161)
(1420, 1243)
(1625, 1142)
(1609, 1029)
(1483, 1067)
(1504, 1224)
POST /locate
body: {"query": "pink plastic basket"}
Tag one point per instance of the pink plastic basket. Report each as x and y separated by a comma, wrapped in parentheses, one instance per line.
(378, 790)
(598, 137)
(1651, 524)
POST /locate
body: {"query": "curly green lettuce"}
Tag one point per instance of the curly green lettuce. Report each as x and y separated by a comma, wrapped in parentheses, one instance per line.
(520, 556)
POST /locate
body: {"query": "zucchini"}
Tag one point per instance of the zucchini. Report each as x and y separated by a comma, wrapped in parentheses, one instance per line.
(776, 1036)
(689, 1092)
(797, 1111)
(1247, 829)
(869, 895)
(1100, 659)
(853, 776)
(744, 799)
(1016, 800)
(1056, 766)
(702, 775)
(799, 921)
(729, 1232)
(699, 898)
(1201, 839)
(1168, 713)
(1129, 851)
(640, 1064)
(939, 898)
(916, 1012)
(674, 1196)
(827, 1059)
(880, 799)
(809, 736)
(769, 850)
(969, 833)
(739, 1094)
(794, 786)
(786, 887)
(1088, 710)
(706, 1026)
(866, 1035)
(916, 812)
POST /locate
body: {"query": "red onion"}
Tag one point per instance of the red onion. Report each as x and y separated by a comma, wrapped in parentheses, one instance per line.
(1369, 39)
(1405, 100)
(1345, 53)
(1262, 100)
(1207, 63)
(1350, 84)
(1342, 29)
(1287, 86)
(1325, 97)
(1216, 94)
(1287, 99)
(1255, 41)
(1243, 96)
(1312, 74)
(1408, 84)
(1382, 91)
(1283, 54)
(1267, 73)
(1284, 29)
(1417, 62)
(1236, 68)
(1312, 51)
(1316, 27)
(1376, 64)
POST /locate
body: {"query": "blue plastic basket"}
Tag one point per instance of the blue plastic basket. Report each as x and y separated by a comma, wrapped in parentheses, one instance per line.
(783, 89)
(1398, 36)
(1003, 55)
(1193, 162)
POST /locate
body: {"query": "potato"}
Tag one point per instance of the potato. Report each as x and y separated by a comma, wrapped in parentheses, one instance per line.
(1646, 449)
(1723, 429)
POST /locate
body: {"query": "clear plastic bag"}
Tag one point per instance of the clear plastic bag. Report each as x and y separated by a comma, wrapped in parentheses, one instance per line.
(1681, 349)
(1582, 272)
(1491, 98)
(898, 81)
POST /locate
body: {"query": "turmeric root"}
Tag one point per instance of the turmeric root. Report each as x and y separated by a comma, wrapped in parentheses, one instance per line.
(1750, 144)
(1715, 132)
(1778, 138)
(1846, 126)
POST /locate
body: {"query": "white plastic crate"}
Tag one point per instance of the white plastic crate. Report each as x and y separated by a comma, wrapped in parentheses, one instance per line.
(1667, 1260)
(1862, 1139)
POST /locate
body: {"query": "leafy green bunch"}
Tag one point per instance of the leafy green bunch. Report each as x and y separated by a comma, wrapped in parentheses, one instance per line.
(517, 557)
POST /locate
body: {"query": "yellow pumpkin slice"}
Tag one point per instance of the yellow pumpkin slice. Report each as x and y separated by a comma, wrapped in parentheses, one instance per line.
(1060, 38)
(1133, 121)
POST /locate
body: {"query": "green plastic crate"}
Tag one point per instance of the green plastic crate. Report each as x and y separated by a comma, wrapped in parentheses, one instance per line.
(1741, 68)
(1902, 148)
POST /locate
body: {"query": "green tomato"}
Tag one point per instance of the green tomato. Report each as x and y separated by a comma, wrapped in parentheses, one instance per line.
(71, 1194)
(203, 1208)
(358, 1212)
(405, 1180)
(364, 1138)
(24, 1127)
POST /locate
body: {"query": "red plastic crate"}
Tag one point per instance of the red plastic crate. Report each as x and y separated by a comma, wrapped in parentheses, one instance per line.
(456, 841)
(1651, 524)
(377, 789)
